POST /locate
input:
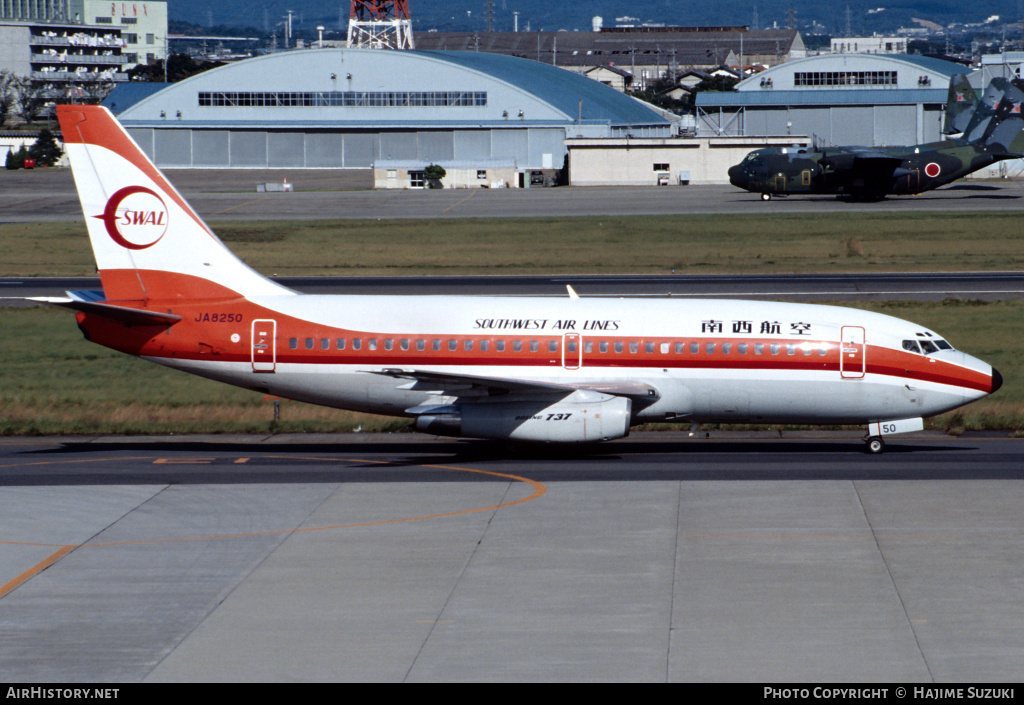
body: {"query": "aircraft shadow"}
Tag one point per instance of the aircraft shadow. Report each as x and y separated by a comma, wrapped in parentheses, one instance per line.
(202, 463)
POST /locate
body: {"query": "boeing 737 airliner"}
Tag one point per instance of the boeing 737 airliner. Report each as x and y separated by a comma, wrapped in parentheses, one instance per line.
(535, 369)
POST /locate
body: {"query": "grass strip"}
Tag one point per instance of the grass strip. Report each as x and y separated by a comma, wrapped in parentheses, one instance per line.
(699, 244)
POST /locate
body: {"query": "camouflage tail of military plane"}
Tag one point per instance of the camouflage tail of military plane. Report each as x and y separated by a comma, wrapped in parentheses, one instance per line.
(991, 129)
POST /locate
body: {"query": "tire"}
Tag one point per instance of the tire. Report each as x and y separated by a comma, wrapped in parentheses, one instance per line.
(875, 445)
(766, 197)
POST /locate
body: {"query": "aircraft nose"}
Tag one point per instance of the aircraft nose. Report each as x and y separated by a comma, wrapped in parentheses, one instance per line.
(997, 380)
(737, 177)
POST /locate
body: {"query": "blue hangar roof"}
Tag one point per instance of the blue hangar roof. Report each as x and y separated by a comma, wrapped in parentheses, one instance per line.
(562, 89)
(569, 97)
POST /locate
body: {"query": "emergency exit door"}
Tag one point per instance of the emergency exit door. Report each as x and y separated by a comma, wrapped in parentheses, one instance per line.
(264, 345)
(852, 352)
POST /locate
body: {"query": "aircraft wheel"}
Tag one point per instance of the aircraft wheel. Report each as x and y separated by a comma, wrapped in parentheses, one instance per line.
(875, 445)
(766, 197)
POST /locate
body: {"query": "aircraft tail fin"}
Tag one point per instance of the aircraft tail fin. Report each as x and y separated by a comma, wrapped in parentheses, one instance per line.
(999, 129)
(961, 102)
(148, 242)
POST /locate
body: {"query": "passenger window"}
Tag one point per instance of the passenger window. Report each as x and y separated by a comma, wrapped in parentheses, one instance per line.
(807, 348)
(649, 348)
(552, 346)
(293, 343)
(758, 348)
(435, 344)
(822, 349)
(775, 348)
(421, 345)
(340, 344)
(694, 348)
(742, 348)
(679, 348)
(357, 343)
(634, 347)
(500, 346)
(325, 343)
(618, 347)
(371, 344)
(603, 347)
(572, 346)
(791, 350)
(726, 348)
(404, 345)
(534, 346)
(309, 343)
(453, 345)
(588, 347)
(710, 348)
(468, 345)
(517, 345)
(389, 344)
(484, 344)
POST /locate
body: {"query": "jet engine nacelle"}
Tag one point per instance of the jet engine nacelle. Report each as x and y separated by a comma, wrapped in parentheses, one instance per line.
(579, 418)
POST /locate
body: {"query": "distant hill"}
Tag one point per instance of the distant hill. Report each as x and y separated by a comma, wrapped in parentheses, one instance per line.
(865, 16)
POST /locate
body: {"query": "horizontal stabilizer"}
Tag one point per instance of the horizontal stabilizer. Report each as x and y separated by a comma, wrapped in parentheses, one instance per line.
(121, 314)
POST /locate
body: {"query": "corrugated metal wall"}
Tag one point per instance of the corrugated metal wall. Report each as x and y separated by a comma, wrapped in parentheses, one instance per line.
(531, 148)
(864, 125)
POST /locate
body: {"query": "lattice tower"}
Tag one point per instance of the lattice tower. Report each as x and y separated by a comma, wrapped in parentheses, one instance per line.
(380, 24)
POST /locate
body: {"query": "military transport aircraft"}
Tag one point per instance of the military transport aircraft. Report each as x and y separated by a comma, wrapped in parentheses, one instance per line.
(548, 369)
(992, 132)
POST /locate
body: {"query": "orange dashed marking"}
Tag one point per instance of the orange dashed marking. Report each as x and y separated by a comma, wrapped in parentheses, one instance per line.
(539, 490)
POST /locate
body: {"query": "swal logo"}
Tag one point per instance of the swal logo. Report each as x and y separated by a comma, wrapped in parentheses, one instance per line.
(136, 218)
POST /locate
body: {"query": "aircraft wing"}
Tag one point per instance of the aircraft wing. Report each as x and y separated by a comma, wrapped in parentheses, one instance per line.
(463, 385)
(861, 160)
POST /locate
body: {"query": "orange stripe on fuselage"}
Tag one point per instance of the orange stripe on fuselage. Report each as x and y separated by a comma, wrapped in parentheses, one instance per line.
(199, 337)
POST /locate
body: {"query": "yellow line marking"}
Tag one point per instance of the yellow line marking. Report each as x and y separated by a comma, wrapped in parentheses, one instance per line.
(539, 490)
(240, 461)
(183, 461)
(35, 570)
(472, 192)
(237, 205)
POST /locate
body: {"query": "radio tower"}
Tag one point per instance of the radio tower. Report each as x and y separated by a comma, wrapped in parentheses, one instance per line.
(380, 24)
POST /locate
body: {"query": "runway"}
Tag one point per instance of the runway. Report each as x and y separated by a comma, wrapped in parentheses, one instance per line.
(660, 557)
(49, 196)
(917, 286)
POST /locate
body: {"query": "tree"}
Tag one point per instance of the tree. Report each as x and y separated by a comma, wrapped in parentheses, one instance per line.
(46, 151)
(433, 174)
(8, 94)
(16, 160)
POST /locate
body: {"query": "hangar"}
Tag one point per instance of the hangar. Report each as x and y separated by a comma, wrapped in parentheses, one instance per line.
(864, 99)
(349, 108)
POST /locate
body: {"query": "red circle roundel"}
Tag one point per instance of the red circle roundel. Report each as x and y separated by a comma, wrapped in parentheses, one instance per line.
(136, 218)
(932, 169)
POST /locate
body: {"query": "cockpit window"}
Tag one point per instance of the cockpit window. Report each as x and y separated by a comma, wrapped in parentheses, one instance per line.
(926, 346)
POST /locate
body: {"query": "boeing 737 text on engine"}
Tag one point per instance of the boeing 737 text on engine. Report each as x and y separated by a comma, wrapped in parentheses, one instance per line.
(534, 369)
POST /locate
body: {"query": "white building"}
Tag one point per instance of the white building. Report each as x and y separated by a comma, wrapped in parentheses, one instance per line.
(869, 45)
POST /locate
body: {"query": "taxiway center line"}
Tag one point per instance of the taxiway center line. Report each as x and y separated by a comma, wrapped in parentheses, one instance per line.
(35, 570)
